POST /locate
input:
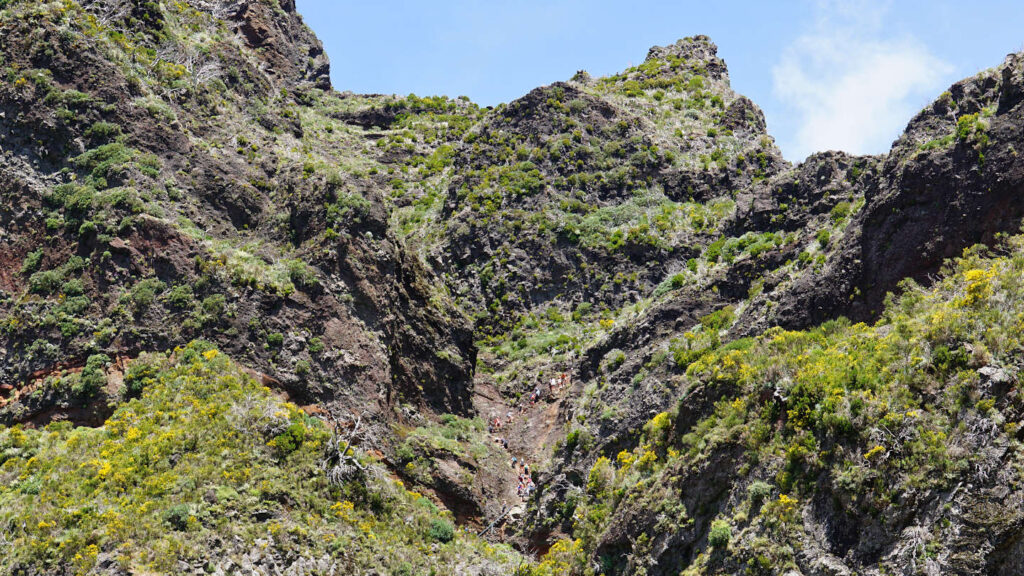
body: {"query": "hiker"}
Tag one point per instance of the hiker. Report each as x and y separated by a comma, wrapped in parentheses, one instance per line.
(509, 416)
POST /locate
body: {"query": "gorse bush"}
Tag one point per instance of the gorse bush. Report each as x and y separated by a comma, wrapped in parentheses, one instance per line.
(198, 457)
(824, 402)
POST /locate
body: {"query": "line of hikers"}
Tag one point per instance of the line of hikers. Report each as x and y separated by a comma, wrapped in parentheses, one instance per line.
(495, 423)
(555, 384)
(525, 485)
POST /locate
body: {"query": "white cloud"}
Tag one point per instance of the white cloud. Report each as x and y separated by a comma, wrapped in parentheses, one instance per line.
(849, 88)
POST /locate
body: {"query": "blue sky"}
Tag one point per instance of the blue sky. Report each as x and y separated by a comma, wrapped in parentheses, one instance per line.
(829, 74)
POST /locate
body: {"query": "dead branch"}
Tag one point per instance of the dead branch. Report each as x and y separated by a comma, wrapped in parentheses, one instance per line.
(340, 462)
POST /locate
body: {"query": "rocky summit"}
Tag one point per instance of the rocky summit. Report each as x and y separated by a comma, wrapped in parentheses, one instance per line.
(253, 325)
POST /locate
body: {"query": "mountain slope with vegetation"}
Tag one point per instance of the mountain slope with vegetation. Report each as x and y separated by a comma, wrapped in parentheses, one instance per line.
(249, 323)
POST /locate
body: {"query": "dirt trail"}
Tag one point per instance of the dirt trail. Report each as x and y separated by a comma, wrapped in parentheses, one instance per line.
(533, 430)
(531, 434)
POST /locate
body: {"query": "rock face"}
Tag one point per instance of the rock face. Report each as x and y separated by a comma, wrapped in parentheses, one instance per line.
(952, 180)
(275, 29)
(190, 221)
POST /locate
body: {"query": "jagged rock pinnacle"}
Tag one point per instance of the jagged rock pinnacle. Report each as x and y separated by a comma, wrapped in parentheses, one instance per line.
(697, 51)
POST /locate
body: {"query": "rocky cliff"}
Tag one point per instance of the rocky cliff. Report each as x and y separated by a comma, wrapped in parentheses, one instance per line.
(155, 193)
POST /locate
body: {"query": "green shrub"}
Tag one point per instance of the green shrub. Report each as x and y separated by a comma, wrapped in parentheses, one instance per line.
(180, 296)
(291, 439)
(945, 360)
(966, 125)
(823, 237)
(73, 287)
(214, 304)
(554, 315)
(582, 309)
(840, 212)
(105, 161)
(275, 339)
(143, 293)
(46, 281)
(149, 165)
(348, 206)
(32, 261)
(674, 282)
(719, 319)
(316, 345)
(103, 130)
(301, 274)
(759, 491)
(92, 379)
(632, 89)
(720, 534)
(405, 453)
(140, 374)
(714, 250)
(177, 517)
(77, 200)
(441, 530)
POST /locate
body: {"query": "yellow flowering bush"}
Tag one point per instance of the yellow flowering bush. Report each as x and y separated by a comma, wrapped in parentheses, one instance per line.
(189, 459)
